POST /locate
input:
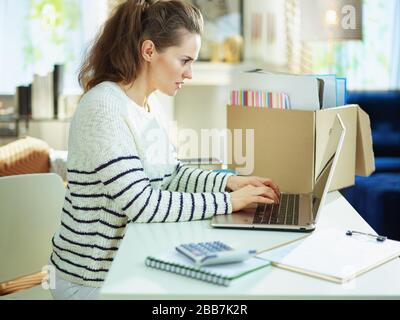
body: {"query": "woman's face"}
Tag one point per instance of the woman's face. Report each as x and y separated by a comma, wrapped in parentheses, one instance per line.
(169, 69)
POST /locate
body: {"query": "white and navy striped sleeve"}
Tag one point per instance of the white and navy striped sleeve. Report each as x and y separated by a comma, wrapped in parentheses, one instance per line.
(187, 179)
(120, 170)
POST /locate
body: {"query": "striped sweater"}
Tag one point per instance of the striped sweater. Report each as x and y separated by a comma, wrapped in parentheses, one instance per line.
(122, 169)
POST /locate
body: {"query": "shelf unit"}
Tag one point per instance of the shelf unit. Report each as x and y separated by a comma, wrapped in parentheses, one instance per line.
(199, 105)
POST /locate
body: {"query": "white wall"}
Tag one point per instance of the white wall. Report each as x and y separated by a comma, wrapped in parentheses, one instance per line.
(197, 108)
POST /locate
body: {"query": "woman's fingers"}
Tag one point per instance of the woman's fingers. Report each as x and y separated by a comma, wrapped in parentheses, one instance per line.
(271, 184)
(257, 183)
(251, 195)
(260, 199)
(267, 193)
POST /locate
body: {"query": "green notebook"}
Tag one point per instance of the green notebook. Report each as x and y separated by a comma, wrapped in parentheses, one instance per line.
(221, 274)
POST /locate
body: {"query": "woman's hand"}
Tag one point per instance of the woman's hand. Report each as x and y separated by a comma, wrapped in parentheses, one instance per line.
(248, 190)
(250, 194)
(235, 183)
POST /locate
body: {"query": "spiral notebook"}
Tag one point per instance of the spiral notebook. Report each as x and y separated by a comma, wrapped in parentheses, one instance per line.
(221, 274)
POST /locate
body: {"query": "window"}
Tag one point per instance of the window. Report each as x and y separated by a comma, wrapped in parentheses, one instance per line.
(36, 34)
(368, 64)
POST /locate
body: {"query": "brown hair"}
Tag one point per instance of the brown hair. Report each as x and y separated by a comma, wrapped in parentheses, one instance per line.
(115, 54)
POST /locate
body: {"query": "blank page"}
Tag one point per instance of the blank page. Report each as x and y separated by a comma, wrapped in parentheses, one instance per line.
(332, 254)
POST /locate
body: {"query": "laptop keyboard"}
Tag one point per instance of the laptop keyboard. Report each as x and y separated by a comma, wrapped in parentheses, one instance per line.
(285, 212)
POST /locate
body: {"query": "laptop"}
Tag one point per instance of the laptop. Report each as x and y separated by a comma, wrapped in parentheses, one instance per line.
(294, 212)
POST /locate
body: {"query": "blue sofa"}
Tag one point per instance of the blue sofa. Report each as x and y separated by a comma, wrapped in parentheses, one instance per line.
(377, 197)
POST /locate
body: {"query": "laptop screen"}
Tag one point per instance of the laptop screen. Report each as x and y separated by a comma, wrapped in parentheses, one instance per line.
(329, 159)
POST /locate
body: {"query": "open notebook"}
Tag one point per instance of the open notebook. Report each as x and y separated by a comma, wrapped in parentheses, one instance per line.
(332, 255)
(221, 274)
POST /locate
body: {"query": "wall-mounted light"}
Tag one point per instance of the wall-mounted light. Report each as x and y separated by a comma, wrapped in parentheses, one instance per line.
(331, 17)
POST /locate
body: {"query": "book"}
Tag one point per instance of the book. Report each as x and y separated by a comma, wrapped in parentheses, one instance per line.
(23, 98)
(341, 91)
(222, 274)
(58, 85)
(329, 94)
(42, 96)
(332, 255)
(303, 91)
(259, 98)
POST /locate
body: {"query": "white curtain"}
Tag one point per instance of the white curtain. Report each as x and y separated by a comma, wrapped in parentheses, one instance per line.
(395, 64)
(12, 69)
(93, 15)
(297, 51)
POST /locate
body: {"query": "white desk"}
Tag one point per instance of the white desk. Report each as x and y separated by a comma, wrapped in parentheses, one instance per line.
(129, 278)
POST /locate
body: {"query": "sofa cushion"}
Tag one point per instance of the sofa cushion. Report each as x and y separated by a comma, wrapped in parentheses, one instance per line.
(386, 143)
(24, 156)
(384, 113)
(381, 106)
(387, 164)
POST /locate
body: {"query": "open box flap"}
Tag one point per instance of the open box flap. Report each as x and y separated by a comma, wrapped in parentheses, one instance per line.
(365, 160)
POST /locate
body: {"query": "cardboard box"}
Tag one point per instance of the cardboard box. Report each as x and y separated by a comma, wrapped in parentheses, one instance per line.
(289, 144)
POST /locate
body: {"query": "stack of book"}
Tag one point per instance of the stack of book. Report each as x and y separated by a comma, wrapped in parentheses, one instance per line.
(40, 100)
(258, 88)
(262, 99)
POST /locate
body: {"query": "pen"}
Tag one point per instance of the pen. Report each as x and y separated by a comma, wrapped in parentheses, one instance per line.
(378, 237)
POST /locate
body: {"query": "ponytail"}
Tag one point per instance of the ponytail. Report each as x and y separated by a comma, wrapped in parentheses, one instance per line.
(116, 53)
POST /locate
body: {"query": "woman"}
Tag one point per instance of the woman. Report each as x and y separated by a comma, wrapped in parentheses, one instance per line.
(118, 172)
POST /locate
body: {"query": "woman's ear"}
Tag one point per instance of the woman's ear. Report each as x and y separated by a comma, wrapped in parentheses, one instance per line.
(148, 50)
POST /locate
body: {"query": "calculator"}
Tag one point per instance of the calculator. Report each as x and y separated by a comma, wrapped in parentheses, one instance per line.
(214, 252)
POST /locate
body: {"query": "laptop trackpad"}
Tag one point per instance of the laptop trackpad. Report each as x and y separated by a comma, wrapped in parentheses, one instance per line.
(244, 216)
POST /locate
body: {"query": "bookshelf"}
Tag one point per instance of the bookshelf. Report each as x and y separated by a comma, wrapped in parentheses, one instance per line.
(53, 131)
(9, 126)
(199, 105)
